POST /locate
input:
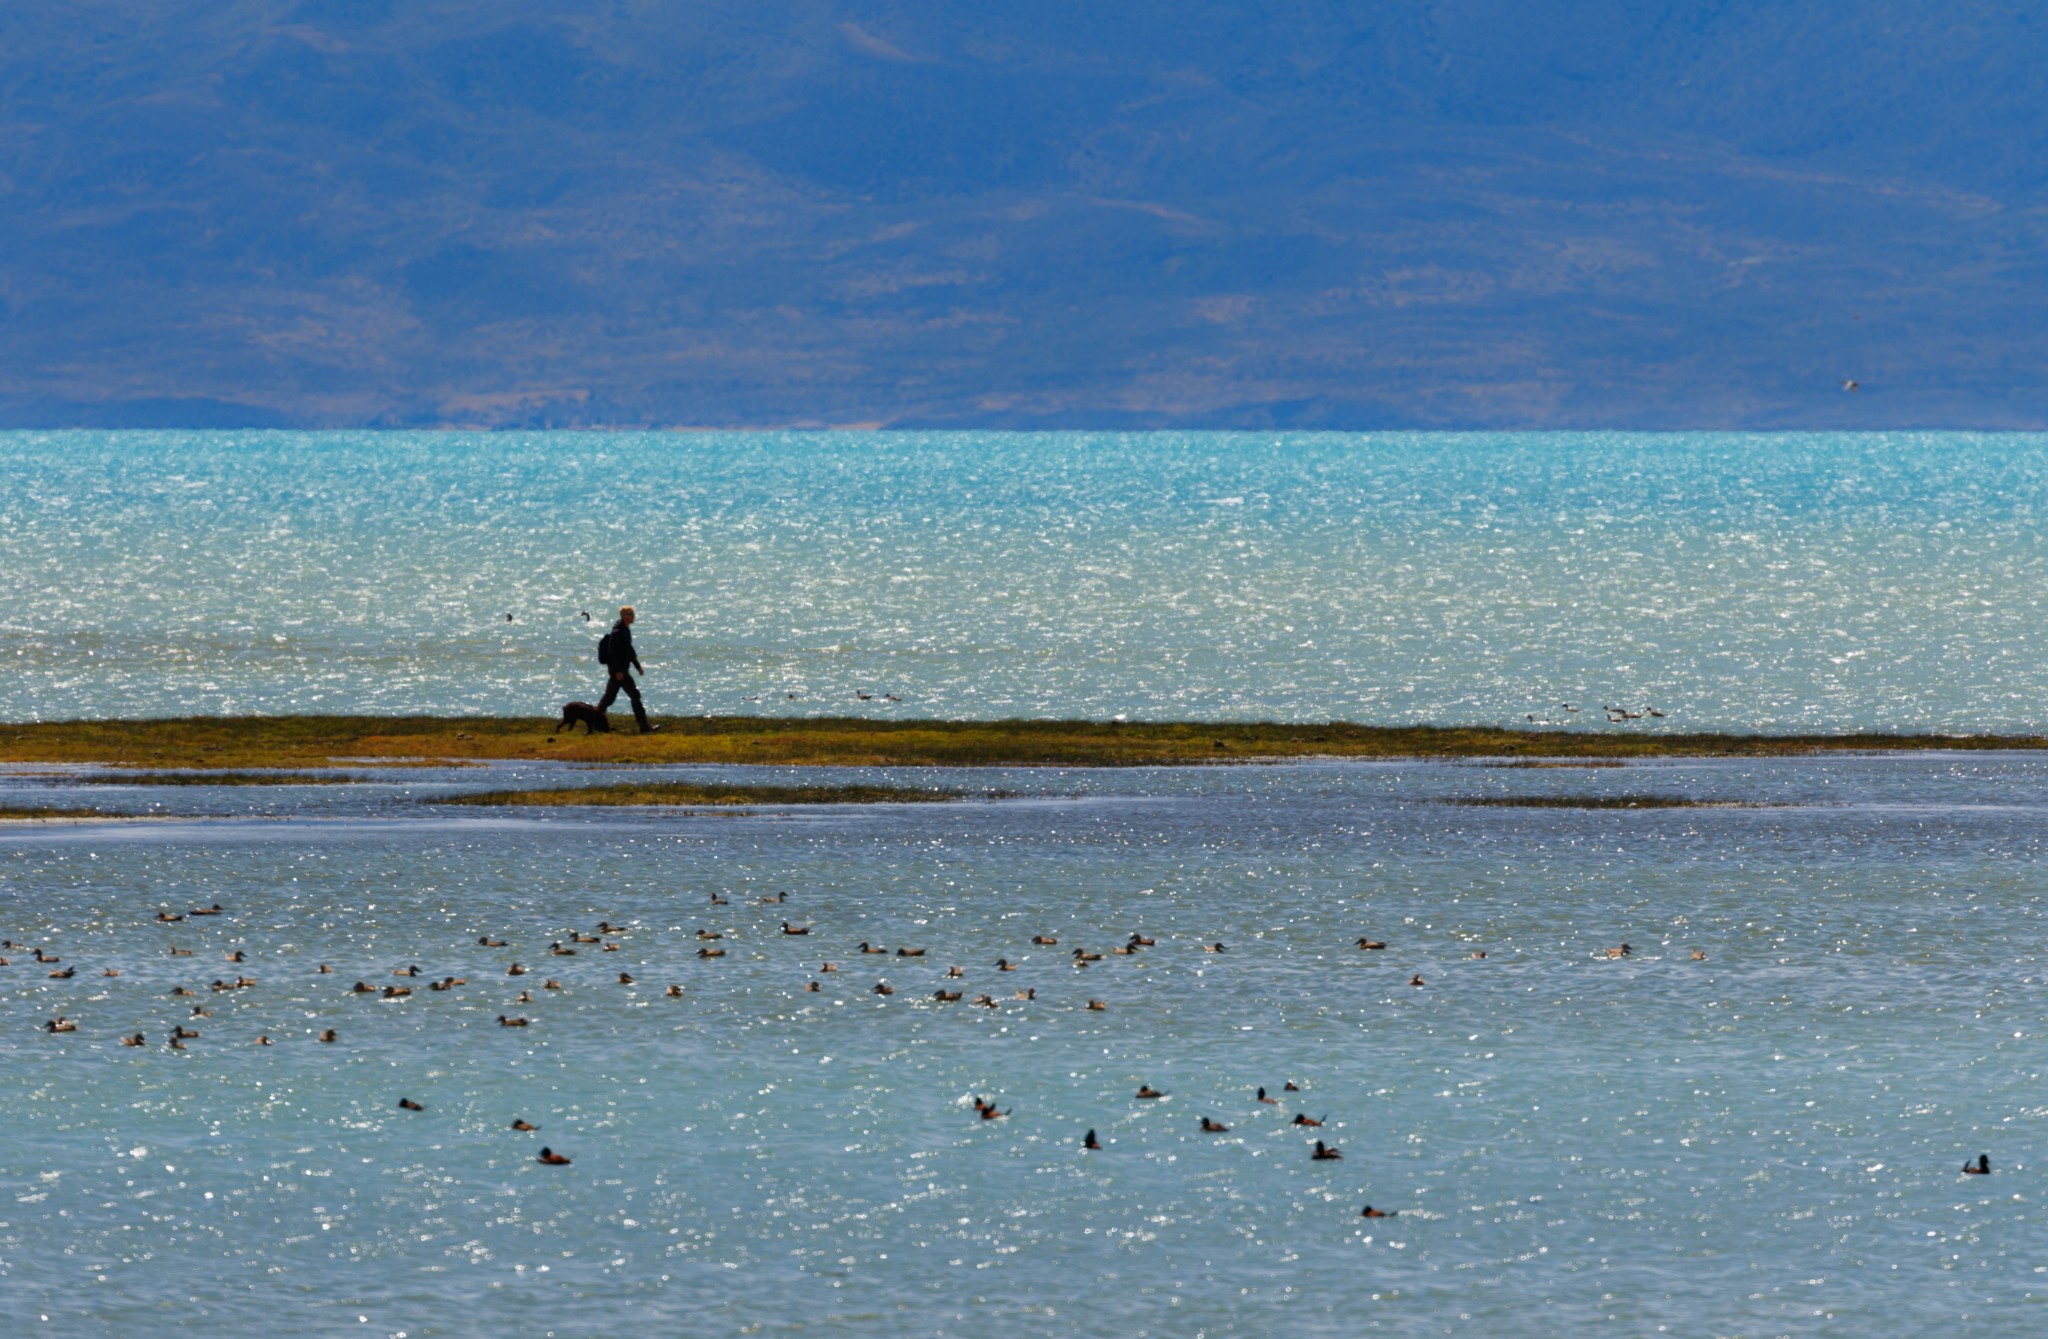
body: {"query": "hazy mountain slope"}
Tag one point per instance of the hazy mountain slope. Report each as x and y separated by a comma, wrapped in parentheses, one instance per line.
(363, 212)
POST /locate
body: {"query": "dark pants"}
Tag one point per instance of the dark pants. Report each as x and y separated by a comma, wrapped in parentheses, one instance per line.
(622, 680)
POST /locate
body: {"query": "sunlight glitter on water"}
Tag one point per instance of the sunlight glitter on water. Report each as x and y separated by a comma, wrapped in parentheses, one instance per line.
(1737, 1143)
(1781, 582)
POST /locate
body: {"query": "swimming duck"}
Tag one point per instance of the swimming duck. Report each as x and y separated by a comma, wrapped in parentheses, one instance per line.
(985, 1001)
(397, 992)
(813, 988)
(110, 972)
(525, 997)
(1288, 1087)
(60, 1024)
(947, 996)
(522, 1125)
(1044, 941)
(511, 1022)
(1214, 1127)
(710, 952)
(778, 898)
(515, 970)
(1372, 943)
(625, 978)
(1146, 1092)
(1478, 953)
(1139, 941)
(329, 1035)
(1699, 955)
(1981, 1167)
(137, 1040)
(182, 1031)
(238, 956)
(1369, 1212)
(324, 970)
(413, 970)
(884, 988)
(910, 953)
(577, 937)
(201, 1011)
(1269, 1101)
(954, 974)
(262, 1039)
(1325, 1153)
(1216, 947)
(1030, 994)
(179, 990)
(550, 984)
(558, 951)
(989, 1112)
(1309, 1122)
(1622, 952)
(1097, 1006)
(828, 966)
(551, 1158)
(1082, 955)
(489, 942)
(1005, 965)
(866, 947)
(175, 953)
(175, 1043)
(407, 1104)
(674, 992)
(789, 929)
(362, 988)
(1089, 1141)
(718, 901)
(1416, 980)
(64, 975)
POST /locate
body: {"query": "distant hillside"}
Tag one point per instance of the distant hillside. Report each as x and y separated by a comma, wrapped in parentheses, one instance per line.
(1067, 212)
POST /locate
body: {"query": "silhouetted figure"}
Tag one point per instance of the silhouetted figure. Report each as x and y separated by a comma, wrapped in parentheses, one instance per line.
(620, 660)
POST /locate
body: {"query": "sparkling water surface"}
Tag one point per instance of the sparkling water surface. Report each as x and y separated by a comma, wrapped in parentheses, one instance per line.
(1766, 1141)
(1812, 582)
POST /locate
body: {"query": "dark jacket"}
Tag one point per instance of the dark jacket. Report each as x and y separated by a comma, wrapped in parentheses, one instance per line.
(622, 650)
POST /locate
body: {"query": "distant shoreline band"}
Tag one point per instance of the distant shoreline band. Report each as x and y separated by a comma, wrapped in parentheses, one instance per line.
(316, 741)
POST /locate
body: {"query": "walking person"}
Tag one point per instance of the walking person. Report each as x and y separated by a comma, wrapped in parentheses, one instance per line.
(615, 649)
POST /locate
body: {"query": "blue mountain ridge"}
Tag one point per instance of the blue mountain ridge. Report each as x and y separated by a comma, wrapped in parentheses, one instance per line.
(329, 213)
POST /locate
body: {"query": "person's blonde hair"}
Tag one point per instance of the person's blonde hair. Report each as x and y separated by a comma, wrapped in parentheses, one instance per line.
(625, 609)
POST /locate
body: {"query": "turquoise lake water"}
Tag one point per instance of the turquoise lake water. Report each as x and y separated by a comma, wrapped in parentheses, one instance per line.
(1763, 1140)
(1795, 582)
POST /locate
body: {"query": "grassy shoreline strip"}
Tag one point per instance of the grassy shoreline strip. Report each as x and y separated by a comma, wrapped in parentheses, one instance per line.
(241, 743)
(209, 779)
(676, 793)
(34, 813)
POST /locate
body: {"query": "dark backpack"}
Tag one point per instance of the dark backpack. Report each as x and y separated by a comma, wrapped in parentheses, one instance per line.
(604, 650)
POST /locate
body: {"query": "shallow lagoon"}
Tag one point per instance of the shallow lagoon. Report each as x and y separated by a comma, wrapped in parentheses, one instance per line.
(1763, 1142)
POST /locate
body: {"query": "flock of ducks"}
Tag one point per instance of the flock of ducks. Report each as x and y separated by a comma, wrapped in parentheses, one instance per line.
(577, 942)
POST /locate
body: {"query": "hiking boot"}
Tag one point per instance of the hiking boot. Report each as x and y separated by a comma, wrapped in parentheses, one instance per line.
(649, 729)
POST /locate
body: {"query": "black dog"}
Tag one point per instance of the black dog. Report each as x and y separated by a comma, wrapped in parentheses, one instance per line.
(592, 720)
